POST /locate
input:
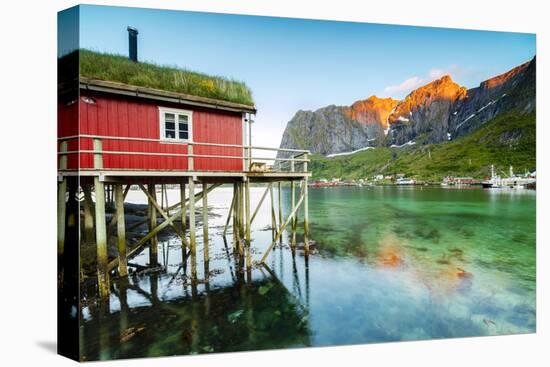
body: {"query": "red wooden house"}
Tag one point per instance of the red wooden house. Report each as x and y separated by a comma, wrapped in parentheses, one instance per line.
(145, 130)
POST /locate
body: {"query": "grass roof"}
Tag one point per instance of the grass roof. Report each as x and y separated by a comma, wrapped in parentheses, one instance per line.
(117, 68)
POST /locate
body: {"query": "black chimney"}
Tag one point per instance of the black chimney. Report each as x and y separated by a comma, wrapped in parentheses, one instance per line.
(132, 43)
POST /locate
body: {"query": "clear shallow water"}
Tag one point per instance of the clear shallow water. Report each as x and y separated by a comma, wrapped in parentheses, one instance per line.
(393, 263)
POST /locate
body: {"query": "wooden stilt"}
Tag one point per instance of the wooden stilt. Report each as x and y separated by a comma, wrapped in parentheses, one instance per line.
(166, 200)
(235, 224)
(101, 239)
(229, 215)
(205, 220)
(273, 217)
(88, 214)
(182, 203)
(192, 234)
(241, 211)
(121, 231)
(158, 208)
(61, 215)
(61, 202)
(260, 203)
(248, 231)
(137, 246)
(306, 209)
(100, 225)
(162, 196)
(306, 218)
(280, 203)
(112, 223)
(281, 229)
(153, 242)
(294, 220)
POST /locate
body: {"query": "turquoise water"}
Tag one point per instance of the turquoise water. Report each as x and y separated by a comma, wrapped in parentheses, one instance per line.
(391, 264)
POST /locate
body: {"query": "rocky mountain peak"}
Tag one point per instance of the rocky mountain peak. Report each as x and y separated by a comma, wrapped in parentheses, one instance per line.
(443, 91)
(501, 79)
(372, 110)
(438, 111)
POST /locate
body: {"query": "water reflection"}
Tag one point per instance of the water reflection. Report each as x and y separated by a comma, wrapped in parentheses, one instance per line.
(257, 315)
(392, 264)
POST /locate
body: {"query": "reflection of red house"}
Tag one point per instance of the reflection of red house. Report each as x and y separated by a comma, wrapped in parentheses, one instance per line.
(143, 129)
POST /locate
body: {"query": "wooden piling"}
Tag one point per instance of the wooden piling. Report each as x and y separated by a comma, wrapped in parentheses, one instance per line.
(121, 231)
(192, 234)
(247, 231)
(153, 242)
(281, 230)
(241, 211)
(229, 214)
(100, 225)
(183, 212)
(101, 239)
(280, 203)
(88, 214)
(306, 217)
(234, 219)
(205, 220)
(294, 222)
(273, 217)
(61, 215)
(61, 201)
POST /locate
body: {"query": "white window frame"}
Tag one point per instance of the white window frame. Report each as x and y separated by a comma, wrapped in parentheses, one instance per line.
(176, 112)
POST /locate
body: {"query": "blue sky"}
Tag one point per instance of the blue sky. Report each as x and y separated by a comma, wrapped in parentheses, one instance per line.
(293, 64)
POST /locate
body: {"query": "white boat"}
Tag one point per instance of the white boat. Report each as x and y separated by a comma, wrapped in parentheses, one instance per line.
(511, 182)
(405, 181)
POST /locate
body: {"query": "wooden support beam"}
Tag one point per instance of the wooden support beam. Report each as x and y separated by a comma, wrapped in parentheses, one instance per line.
(205, 221)
(282, 228)
(61, 202)
(137, 246)
(294, 220)
(112, 223)
(273, 217)
(61, 215)
(101, 239)
(88, 214)
(153, 242)
(121, 231)
(192, 234)
(280, 203)
(166, 200)
(260, 203)
(235, 217)
(248, 221)
(241, 211)
(100, 225)
(182, 204)
(306, 217)
(158, 208)
(229, 215)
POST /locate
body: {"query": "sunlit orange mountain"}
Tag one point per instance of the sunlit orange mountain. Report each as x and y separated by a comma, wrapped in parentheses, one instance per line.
(439, 111)
(372, 110)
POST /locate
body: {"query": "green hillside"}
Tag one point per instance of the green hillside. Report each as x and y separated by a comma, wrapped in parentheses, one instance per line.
(509, 139)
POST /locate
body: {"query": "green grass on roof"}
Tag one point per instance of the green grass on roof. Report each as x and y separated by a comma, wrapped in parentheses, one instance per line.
(118, 68)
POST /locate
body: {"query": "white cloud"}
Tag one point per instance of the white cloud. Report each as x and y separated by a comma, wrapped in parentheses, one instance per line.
(410, 84)
(436, 73)
(453, 70)
(406, 86)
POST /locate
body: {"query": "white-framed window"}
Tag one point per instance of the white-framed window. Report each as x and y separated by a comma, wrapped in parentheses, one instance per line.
(176, 125)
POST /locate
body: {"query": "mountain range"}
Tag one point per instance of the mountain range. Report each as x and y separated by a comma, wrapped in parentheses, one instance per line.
(435, 113)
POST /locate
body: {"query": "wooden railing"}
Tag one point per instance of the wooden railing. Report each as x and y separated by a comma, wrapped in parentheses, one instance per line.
(296, 162)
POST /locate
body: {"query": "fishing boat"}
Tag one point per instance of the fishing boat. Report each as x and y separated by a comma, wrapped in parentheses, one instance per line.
(512, 181)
